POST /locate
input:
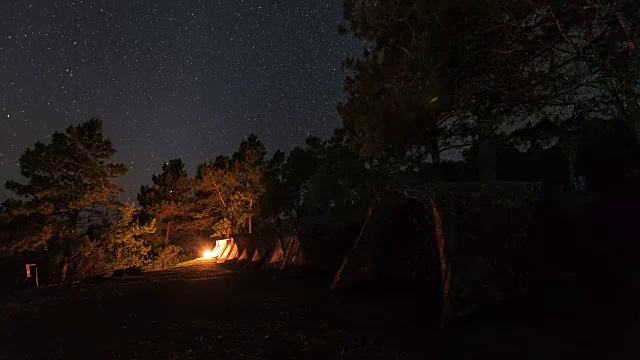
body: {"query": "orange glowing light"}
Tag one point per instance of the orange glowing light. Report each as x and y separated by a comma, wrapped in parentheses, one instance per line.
(217, 250)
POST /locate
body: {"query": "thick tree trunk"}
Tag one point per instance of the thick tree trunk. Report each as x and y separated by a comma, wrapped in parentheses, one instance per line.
(487, 161)
(434, 147)
(572, 173)
(346, 262)
(630, 89)
(445, 265)
(633, 112)
(571, 151)
(487, 152)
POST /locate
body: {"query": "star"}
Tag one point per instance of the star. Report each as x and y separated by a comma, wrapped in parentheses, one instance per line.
(185, 80)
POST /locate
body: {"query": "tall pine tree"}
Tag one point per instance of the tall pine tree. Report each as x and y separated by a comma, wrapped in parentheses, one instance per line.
(69, 186)
(167, 198)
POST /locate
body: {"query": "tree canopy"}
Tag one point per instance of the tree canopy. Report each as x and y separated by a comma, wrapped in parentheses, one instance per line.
(70, 180)
(486, 65)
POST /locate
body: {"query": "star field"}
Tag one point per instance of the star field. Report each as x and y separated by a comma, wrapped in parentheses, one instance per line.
(185, 79)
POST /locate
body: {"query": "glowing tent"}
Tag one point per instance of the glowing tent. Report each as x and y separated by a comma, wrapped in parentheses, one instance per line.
(225, 253)
(217, 249)
(234, 252)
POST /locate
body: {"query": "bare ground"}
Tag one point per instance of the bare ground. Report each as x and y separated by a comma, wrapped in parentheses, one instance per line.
(204, 310)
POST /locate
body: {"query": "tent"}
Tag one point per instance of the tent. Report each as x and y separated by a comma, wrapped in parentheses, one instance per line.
(462, 237)
(268, 249)
(234, 252)
(275, 257)
(225, 253)
(394, 239)
(293, 253)
(257, 255)
(248, 246)
(239, 249)
(260, 247)
(242, 241)
(220, 247)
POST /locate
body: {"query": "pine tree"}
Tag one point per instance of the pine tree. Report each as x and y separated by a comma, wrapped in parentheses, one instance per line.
(490, 63)
(229, 189)
(168, 198)
(69, 186)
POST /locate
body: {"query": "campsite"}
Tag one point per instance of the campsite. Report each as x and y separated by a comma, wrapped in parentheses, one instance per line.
(202, 309)
(262, 298)
(279, 179)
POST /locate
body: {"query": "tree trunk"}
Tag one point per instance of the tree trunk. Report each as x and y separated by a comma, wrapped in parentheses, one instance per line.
(219, 194)
(633, 110)
(168, 230)
(487, 152)
(338, 277)
(571, 152)
(445, 265)
(65, 266)
(250, 214)
(630, 92)
(434, 147)
(487, 161)
(572, 176)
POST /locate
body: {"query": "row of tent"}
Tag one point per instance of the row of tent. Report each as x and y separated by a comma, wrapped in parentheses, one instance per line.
(468, 236)
(279, 252)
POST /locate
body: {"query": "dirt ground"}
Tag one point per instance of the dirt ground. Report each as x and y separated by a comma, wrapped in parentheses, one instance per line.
(202, 310)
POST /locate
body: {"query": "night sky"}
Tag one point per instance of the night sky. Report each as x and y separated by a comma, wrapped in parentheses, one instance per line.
(182, 79)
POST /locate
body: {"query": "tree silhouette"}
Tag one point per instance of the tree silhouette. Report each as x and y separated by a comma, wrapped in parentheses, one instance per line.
(69, 184)
(167, 198)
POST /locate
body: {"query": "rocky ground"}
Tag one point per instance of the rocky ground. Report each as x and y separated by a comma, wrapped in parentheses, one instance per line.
(205, 310)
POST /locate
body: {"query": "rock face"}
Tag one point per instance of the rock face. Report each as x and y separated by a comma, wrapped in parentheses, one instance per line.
(467, 234)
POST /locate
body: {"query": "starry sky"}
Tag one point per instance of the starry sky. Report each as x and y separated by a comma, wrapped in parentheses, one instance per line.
(171, 79)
